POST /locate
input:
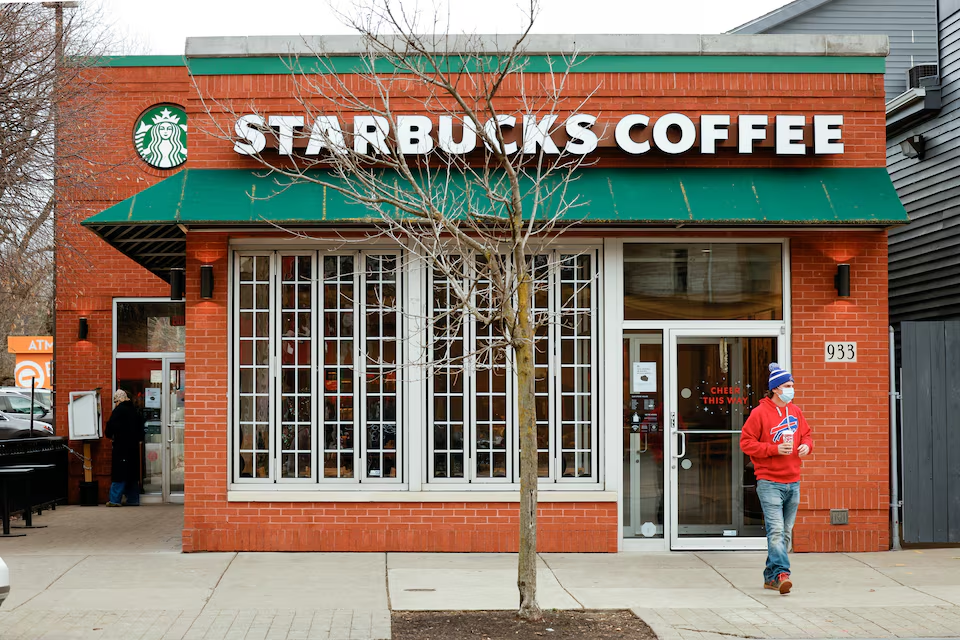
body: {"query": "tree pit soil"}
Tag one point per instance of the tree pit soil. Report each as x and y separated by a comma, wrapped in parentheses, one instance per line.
(504, 625)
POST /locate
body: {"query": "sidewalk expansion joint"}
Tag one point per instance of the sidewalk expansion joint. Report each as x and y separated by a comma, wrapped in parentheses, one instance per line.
(719, 633)
(554, 574)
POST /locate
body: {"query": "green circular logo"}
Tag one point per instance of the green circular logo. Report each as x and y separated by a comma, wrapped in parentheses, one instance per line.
(161, 136)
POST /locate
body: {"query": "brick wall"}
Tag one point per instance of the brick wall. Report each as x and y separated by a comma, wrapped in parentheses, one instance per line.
(104, 170)
(847, 406)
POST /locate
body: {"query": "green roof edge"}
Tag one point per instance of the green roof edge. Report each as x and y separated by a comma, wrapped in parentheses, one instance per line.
(277, 65)
(140, 61)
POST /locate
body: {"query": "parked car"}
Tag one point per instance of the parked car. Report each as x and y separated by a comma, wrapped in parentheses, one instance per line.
(16, 405)
(40, 396)
(15, 428)
(4, 581)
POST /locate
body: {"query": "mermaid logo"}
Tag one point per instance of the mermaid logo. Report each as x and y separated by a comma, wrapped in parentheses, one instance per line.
(161, 137)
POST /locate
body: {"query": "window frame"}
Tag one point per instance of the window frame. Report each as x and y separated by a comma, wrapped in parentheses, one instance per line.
(316, 480)
(555, 480)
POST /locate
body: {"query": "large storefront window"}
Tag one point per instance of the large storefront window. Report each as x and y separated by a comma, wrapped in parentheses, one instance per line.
(318, 373)
(280, 311)
(474, 425)
(703, 281)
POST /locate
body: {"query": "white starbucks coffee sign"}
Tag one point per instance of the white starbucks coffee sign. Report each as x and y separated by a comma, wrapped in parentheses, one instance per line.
(160, 137)
(578, 134)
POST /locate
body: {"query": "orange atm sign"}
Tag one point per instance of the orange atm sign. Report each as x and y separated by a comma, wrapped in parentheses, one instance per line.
(34, 354)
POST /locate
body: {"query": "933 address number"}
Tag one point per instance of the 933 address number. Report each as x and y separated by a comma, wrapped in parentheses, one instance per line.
(841, 352)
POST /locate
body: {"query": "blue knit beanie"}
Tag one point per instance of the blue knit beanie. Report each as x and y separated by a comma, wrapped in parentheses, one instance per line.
(778, 376)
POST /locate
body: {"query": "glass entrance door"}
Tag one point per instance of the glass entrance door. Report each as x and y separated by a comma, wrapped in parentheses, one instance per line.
(644, 498)
(175, 386)
(156, 386)
(716, 380)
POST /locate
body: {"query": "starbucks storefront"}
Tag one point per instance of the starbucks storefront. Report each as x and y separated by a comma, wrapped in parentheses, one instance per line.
(308, 416)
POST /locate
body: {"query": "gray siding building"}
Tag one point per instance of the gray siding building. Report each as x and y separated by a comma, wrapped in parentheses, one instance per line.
(911, 26)
(925, 255)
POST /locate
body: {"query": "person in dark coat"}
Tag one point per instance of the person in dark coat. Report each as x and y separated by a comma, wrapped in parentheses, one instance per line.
(125, 427)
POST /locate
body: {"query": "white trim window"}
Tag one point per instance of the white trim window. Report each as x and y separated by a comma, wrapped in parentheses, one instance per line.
(308, 407)
(254, 320)
(471, 407)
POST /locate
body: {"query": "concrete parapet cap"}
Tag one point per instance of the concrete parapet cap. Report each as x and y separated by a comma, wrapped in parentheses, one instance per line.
(543, 44)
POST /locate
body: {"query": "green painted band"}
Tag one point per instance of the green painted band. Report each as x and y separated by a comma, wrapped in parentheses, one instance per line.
(139, 61)
(544, 64)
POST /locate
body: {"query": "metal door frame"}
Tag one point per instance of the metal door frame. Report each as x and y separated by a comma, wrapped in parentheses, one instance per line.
(673, 445)
(166, 431)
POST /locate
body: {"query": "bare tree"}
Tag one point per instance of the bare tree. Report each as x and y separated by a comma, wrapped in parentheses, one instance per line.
(48, 86)
(475, 200)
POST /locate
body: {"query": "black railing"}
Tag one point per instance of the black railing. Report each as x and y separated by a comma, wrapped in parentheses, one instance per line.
(48, 481)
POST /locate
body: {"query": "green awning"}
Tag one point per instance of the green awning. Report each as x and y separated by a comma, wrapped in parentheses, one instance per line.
(149, 227)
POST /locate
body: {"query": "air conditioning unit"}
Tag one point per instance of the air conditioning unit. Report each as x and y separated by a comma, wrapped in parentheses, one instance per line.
(923, 75)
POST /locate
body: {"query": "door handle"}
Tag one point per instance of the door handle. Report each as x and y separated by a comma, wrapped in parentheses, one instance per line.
(683, 436)
(646, 445)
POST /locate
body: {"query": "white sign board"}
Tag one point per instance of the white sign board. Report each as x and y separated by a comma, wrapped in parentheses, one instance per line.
(84, 415)
(643, 377)
(840, 352)
(151, 398)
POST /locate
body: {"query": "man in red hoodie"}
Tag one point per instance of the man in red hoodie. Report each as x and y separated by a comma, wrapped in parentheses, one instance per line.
(776, 436)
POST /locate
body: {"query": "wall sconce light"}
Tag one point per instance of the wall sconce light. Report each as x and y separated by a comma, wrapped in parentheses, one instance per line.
(206, 281)
(84, 329)
(913, 147)
(842, 280)
(177, 277)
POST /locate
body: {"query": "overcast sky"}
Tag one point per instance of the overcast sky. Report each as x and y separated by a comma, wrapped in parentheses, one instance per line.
(162, 27)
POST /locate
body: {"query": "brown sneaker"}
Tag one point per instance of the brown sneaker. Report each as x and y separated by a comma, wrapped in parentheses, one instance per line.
(772, 584)
(784, 583)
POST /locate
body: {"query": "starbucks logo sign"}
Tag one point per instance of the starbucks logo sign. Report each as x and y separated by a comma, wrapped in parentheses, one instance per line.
(161, 137)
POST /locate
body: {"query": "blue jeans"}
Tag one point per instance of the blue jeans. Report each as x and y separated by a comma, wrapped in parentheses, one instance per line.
(129, 489)
(779, 502)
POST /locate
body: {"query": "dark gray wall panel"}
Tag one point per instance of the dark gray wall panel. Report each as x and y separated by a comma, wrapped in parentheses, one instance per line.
(930, 433)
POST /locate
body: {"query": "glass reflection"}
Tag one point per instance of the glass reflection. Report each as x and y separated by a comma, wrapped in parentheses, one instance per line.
(716, 281)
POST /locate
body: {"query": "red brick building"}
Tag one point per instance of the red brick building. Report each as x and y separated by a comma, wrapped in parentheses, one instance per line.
(699, 259)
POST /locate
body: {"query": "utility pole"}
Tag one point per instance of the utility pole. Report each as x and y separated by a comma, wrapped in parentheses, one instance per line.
(58, 8)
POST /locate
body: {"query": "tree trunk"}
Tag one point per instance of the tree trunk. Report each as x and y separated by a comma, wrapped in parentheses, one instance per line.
(523, 348)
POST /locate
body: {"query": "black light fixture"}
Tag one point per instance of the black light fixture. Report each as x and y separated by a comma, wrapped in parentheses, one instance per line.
(206, 281)
(177, 278)
(842, 280)
(84, 329)
(913, 146)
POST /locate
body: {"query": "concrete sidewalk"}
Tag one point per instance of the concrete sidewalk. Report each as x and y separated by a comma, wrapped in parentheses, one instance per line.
(117, 573)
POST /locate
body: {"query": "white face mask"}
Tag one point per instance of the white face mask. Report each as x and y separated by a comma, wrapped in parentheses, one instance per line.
(786, 394)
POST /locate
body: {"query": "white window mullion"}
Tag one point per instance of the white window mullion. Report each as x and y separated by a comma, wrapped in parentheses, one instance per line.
(554, 379)
(316, 397)
(360, 367)
(470, 417)
(273, 367)
(417, 442)
(237, 389)
(276, 377)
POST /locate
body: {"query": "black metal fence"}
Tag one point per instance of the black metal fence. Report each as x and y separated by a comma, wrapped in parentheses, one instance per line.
(48, 482)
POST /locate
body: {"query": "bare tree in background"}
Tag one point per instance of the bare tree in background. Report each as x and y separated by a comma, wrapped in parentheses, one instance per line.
(479, 206)
(47, 76)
